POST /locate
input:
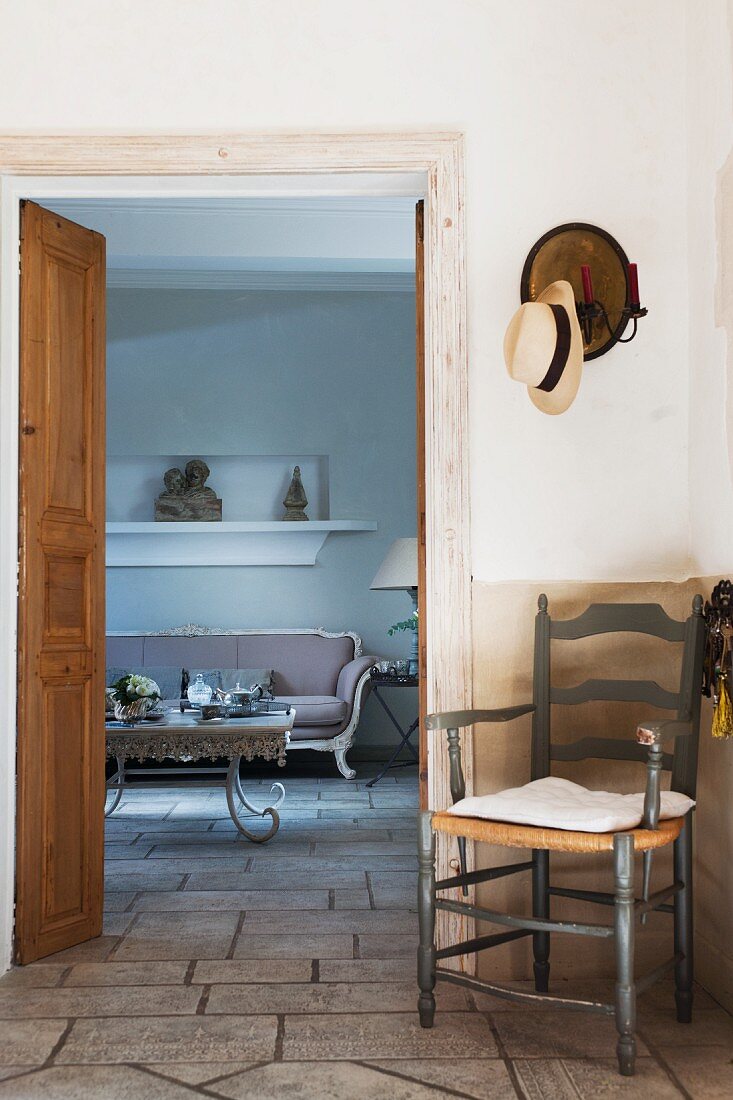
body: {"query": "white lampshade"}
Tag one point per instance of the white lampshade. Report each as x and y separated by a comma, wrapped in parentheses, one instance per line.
(399, 568)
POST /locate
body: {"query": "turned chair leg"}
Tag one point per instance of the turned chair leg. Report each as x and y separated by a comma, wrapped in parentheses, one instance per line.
(625, 999)
(683, 970)
(541, 908)
(426, 920)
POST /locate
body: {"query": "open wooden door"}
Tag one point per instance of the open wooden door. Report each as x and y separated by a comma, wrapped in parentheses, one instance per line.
(61, 756)
(421, 467)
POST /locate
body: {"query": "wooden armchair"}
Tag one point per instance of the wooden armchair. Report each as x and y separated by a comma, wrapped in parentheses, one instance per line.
(681, 732)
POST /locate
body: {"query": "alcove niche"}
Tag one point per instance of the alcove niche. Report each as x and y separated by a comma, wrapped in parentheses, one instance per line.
(252, 530)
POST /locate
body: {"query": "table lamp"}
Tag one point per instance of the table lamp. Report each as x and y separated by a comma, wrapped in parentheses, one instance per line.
(399, 571)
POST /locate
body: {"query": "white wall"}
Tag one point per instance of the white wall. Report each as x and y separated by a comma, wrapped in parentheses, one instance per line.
(710, 259)
(570, 110)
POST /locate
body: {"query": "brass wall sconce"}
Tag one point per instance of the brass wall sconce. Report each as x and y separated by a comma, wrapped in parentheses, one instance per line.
(605, 284)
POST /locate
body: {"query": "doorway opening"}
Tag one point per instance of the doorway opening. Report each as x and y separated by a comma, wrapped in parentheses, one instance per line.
(436, 554)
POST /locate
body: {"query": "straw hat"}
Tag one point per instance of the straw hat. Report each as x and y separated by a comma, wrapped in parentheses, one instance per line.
(543, 348)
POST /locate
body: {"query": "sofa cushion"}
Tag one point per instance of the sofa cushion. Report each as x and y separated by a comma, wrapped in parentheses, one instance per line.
(167, 677)
(556, 803)
(227, 678)
(199, 651)
(305, 664)
(316, 710)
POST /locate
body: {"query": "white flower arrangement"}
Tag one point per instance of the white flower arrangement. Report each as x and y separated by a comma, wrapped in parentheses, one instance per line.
(132, 686)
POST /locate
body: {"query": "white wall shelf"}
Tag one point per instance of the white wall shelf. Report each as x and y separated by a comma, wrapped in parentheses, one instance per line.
(267, 542)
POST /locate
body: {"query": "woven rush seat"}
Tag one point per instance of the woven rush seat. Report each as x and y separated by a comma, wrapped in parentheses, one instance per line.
(554, 840)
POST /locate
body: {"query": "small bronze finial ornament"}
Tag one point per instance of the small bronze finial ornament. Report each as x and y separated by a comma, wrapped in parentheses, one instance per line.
(295, 501)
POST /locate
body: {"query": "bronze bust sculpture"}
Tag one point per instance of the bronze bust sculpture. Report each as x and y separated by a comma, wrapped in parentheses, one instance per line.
(187, 497)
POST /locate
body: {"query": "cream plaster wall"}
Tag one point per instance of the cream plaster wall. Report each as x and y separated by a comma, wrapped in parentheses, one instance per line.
(710, 264)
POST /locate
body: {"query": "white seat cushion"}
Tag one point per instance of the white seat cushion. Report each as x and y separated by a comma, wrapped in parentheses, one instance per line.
(559, 804)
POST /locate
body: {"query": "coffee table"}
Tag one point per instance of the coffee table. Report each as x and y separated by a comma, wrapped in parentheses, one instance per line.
(180, 737)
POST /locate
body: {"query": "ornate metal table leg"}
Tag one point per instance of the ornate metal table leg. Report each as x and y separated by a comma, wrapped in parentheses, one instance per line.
(233, 786)
(119, 779)
(243, 798)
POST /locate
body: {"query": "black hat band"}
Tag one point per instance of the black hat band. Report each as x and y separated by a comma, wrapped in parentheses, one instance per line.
(562, 350)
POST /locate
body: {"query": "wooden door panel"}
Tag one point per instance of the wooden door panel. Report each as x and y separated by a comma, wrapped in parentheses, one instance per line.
(65, 734)
(68, 387)
(67, 584)
(61, 586)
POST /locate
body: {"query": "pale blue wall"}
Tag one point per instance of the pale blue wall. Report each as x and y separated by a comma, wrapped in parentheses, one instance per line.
(235, 372)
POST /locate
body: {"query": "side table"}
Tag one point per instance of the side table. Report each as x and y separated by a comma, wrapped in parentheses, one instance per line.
(379, 682)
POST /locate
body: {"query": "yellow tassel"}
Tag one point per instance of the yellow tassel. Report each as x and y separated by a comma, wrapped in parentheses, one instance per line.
(723, 714)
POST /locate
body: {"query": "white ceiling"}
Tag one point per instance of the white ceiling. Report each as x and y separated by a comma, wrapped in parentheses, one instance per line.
(258, 243)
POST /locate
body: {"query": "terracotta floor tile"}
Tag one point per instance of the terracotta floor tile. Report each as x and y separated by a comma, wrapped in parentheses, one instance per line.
(29, 1042)
(386, 1035)
(223, 900)
(93, 1083)
(387, 947)
(706, 1072)
(547, 1033)
(327, 997)
(481, 1079)
(709, 1027)
(367, 970)
(126, 973)
(322, 1081)
(239, 971)
(266, 880)
(170, 1039)
(267, 946)
(355, 922)
(592, 1079)
(37, 975)
(198, 1073)
(125, 1000)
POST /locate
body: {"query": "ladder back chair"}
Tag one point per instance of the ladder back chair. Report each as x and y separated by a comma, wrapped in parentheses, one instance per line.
(681, 732)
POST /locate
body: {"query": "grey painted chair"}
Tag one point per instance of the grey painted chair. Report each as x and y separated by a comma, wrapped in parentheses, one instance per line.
(682, 732)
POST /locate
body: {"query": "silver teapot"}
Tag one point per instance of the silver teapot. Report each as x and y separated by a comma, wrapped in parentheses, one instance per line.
(239, 696)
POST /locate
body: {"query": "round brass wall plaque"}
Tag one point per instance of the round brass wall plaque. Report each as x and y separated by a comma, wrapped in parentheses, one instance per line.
(560, 254)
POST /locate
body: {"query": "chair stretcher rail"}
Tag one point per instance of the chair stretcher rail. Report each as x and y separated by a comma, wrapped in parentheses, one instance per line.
(480, 943)
(597, 897)
(473, 877)
(534, 924)
(521, 996)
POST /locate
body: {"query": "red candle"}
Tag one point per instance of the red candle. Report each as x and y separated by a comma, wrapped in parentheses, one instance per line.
(587, 284)
(633, 285)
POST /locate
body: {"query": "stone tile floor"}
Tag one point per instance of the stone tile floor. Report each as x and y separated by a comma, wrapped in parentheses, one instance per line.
(228, 970)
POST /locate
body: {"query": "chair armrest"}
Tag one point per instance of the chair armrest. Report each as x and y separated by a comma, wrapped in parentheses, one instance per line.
(349, 677)
(457, 719)
(453, 720)
(655, 732)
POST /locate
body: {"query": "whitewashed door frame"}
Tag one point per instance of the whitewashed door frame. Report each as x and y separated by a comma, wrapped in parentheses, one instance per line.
(286, 165)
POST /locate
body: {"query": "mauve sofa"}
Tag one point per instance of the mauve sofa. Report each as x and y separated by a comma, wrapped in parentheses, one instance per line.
(323, 675)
